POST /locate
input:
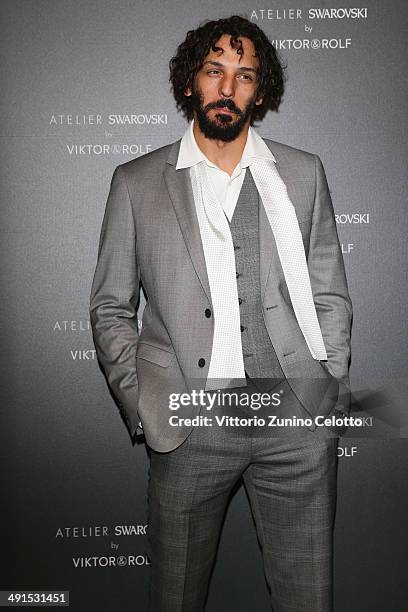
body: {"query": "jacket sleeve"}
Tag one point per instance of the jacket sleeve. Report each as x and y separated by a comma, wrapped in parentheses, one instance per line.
(328, 281)
(114, 298)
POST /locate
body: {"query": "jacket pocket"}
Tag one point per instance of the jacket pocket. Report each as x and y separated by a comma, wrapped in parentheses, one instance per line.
(154, 354)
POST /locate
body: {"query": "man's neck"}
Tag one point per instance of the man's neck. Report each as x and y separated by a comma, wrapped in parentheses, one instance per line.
(225, 155)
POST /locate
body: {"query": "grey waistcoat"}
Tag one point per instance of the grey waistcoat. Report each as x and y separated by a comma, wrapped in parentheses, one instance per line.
(260, 359)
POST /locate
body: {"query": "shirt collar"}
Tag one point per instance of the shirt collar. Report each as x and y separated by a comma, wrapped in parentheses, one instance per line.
(191, 154)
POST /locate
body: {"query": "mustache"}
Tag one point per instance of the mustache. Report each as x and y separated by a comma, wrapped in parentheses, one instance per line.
(228, 104)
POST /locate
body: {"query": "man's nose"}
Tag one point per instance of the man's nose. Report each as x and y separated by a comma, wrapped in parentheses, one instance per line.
(227, 87)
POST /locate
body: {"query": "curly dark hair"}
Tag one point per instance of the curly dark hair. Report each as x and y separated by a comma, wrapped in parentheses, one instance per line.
(198, 43)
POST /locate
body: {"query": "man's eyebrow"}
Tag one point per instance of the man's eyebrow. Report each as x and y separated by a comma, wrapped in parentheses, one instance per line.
(241, 68)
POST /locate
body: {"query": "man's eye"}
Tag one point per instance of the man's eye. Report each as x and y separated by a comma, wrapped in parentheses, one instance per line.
(244, 77)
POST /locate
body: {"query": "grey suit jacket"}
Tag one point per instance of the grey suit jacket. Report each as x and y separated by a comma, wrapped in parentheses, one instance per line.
(150, 235)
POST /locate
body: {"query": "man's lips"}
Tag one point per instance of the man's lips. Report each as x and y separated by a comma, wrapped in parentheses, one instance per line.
(224, 111)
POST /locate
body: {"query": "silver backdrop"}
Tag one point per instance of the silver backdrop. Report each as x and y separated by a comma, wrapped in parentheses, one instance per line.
(74, 487)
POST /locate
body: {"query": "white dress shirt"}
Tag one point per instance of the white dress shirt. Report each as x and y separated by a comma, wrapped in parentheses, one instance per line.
(226, 188)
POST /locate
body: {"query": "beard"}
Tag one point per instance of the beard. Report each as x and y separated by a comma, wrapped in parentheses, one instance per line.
(224, 127)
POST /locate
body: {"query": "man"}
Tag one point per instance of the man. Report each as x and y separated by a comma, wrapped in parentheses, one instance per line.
(234, 241)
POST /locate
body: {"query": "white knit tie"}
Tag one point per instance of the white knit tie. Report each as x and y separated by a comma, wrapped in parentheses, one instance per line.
(227, 361)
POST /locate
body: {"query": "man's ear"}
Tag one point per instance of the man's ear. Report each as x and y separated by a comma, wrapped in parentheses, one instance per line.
(259, 96)
(187, 91)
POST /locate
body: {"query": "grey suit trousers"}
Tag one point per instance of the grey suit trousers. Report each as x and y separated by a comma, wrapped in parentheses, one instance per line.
(291, 481)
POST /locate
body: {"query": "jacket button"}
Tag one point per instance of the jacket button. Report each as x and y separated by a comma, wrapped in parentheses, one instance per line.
(239, 301)
(238, 274)
(207, 313)
(243, 328)
(201, 362)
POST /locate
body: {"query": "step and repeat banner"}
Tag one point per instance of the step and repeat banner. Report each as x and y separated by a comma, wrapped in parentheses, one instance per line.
(85, 87)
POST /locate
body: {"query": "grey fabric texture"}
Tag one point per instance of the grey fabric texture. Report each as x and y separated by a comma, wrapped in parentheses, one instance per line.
(260, 358)
(150, 235)
(291, 485)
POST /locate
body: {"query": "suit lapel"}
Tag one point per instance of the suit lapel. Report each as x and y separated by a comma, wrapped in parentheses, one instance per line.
(268, 253)
(181, 195)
